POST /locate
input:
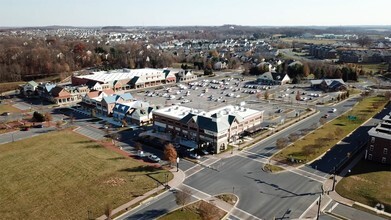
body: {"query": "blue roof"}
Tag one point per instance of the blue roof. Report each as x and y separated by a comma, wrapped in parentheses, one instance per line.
(49, 87)
(126, 96)
(121, 108)
(114, 98)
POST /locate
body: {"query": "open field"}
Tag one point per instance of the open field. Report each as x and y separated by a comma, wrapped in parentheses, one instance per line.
(316, 143)
(309, 41)
(368, 183)
(8, 86)
(62, 175)
(374, 67)
(8, 108)
(191, 212)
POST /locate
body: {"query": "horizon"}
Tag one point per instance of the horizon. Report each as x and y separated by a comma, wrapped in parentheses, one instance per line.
(285, 13)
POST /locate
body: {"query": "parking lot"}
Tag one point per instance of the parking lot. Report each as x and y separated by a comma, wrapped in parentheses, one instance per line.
(208, 94)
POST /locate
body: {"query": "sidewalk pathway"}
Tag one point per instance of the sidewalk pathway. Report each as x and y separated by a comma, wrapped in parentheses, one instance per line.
(179, 177)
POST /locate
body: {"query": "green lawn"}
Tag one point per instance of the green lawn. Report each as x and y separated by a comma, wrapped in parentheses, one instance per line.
(316, 143)
(62, 175)
(368, 183)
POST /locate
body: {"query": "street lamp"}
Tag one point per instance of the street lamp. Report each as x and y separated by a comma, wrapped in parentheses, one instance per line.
(177, 164)
(334, 171)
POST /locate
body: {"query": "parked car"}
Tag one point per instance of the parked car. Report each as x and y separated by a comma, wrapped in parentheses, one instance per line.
(25, 129)
(194, 156)
(140, 154)
(333, 110)
(325, 116)
(5, 114)
(154, 158)
(39, 126)
(204, 152)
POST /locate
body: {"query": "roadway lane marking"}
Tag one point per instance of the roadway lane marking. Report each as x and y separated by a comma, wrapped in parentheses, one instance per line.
(313, 174)
(235, 209)
(263, 161)
(202, 166)
(333, 207)
(307, 176)
(308, 209)
(257, 154)
(287, 169)
(197, 190)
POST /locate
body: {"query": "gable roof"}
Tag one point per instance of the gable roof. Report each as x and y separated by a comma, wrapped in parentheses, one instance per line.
(279, 76)
(32, 83)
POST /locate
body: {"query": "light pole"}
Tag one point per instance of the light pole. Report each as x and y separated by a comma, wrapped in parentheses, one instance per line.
(318, 212)
(177, 164)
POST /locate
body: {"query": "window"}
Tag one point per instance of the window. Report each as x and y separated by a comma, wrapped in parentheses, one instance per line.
(373, 140)
(369, 156)
(383, 160)
(385, 151)
(371, 147)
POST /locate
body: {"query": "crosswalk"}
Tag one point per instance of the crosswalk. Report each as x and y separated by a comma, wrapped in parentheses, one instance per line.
(90, 133)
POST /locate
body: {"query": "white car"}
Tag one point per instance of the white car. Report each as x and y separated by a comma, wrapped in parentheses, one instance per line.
(333, 110)
(154, 158)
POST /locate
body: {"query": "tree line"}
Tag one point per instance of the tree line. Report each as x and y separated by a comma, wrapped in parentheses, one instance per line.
(24, 59)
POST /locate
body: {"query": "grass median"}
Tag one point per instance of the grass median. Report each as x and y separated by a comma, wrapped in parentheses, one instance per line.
(319, 141)
(63, 175)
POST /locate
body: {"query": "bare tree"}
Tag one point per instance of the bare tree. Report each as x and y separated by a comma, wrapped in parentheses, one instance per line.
(207, 210)
(58, 125)
(281, 143)
(266, 95)
(259, 95)
(124, 122)
(293, 137)
(338, 131)
(71, 118)
(138, 146)
(108, 212)
(48, 117)
(182, 197)
(170, 153)
(298, 96)
(387, 95)
(322, 121)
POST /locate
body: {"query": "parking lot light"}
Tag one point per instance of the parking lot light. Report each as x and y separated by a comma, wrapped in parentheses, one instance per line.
(177, 164)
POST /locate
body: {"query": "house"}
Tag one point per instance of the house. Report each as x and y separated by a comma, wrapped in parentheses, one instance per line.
(67, 94)
(273, 78)
(136, 112)
(329, 85)
(220, 65)
(44, 89)
(59, 95)
(29, 88)
(185, 76)
(379, 146)
(216, 128)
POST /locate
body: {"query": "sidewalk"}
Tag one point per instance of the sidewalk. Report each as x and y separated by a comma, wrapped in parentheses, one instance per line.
(179, 177)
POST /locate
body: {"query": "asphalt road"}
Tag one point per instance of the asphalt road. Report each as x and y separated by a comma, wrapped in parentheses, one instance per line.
(20, 135)
(262, 194)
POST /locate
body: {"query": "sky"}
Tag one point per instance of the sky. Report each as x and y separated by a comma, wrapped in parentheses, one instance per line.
(23, 13)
